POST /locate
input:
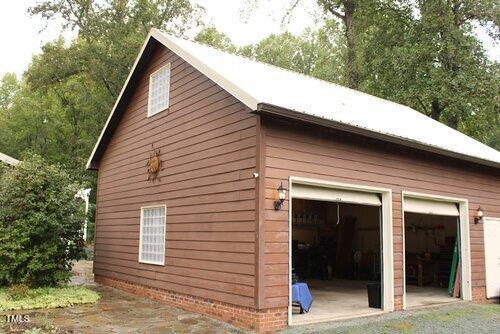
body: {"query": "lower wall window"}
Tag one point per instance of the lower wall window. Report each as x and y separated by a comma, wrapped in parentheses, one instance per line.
(152, 235)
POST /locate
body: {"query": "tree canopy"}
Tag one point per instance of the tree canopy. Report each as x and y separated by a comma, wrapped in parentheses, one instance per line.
(421, 53)
(59, 106)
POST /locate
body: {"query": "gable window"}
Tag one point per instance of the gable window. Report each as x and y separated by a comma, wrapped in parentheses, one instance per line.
(152, 235)
(159, 90)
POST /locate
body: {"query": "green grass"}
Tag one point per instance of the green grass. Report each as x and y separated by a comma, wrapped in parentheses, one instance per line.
(47, 298)
(400, 326)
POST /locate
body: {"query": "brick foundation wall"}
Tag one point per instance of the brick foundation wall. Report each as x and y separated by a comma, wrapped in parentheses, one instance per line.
(261, 321)
(398, 303)
(479, 294)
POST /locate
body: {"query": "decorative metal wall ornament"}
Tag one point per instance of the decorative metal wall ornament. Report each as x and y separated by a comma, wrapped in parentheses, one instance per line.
(154, 164)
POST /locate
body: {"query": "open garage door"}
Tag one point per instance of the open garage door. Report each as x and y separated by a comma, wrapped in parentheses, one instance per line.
(340, 250)
(432, 251)
(311, 192)
(430, 207)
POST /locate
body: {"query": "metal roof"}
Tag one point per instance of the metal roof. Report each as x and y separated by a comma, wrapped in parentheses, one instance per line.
(256, 84)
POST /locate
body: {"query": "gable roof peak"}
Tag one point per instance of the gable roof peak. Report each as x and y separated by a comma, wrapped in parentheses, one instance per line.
(262, 86)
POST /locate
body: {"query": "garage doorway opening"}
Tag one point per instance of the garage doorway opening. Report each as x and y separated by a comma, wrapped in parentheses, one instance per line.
(432, 258)
(436, 257)
(337, 253)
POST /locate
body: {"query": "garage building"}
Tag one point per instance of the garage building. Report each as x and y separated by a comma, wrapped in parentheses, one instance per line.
(245, 192)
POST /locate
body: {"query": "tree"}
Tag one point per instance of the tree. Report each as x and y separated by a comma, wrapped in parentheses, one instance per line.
(426, 55)
(316, 52)
(421, 53)
(355, 17)
(40, 224)
(110, 33)
(454, 60)
(59, 106)
(345, 10)
(211, 36)
(9, 86)
(72, 98)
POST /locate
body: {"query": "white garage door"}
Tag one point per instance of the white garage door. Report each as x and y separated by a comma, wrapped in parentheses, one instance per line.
(430, 207)
(323, 193)
(492, 256)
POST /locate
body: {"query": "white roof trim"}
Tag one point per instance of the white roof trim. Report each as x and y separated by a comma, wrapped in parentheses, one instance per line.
(8, 159)
(256, 84)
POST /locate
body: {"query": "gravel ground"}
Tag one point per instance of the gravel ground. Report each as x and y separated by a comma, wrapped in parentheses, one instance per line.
(451, 319)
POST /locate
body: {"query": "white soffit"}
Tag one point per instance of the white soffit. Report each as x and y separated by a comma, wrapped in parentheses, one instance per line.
(430, 207)
(253, 83)
(328, 194)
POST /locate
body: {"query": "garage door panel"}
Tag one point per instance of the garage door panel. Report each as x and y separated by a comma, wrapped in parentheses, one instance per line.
(430, 207)
(311, 192)
(492, 256)
(492, 286)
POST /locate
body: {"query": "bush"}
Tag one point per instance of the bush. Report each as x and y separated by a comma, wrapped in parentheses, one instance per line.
(40, 224)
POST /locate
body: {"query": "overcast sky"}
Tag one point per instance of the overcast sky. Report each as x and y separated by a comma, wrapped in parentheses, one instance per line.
(21, 35)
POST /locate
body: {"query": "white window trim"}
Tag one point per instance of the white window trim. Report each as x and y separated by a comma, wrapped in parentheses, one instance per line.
(164, 235)
(149, 89)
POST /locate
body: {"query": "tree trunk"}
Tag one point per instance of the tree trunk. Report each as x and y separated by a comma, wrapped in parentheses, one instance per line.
(436, 110)
(352, 74)
(452, 121)
(347, 17)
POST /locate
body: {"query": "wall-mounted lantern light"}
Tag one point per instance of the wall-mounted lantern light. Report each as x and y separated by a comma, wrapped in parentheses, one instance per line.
(281, 197)
(479, 215)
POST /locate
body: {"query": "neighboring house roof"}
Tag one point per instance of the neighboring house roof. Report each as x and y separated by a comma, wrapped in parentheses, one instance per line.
(269, 89)
(8, 160)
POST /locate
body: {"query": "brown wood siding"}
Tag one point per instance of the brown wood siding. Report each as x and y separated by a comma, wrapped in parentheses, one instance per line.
(208, 149)
(306, 151)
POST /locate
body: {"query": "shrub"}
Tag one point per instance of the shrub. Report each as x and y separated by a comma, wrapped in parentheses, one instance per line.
(40, 224)
(3, 168)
